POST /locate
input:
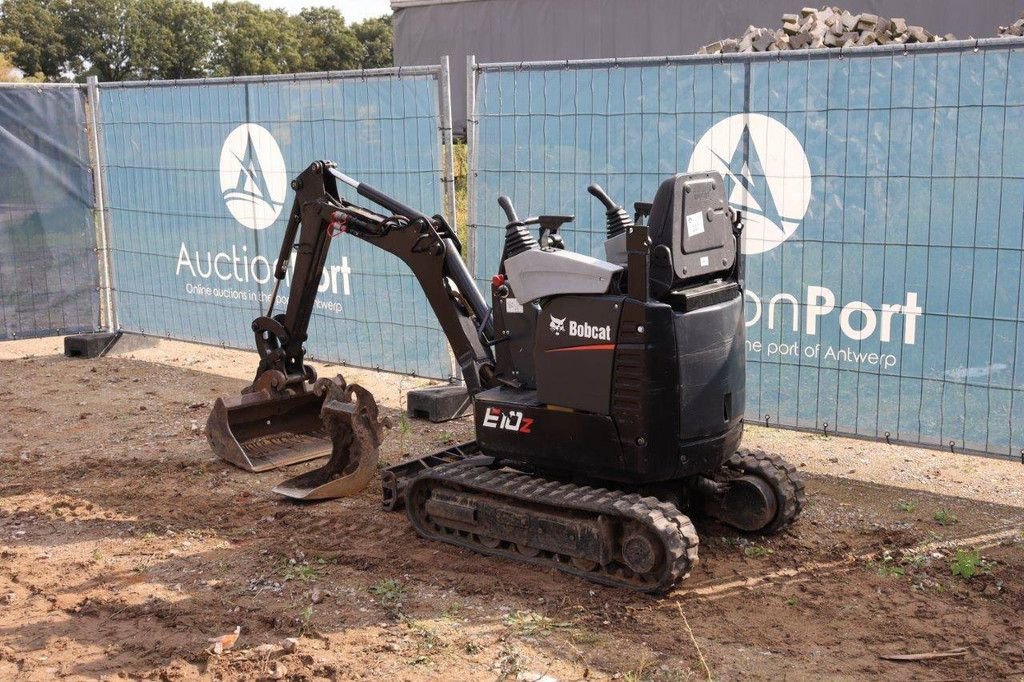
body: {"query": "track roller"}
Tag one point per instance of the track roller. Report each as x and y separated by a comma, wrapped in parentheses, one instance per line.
(754, 492)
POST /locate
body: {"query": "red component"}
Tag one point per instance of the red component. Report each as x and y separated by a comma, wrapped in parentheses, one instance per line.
(498, 280)
(338, 224)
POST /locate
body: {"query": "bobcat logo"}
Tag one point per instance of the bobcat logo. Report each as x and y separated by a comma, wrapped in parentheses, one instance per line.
(557, 326)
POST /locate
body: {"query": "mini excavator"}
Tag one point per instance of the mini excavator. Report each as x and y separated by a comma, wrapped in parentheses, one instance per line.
(608, 393)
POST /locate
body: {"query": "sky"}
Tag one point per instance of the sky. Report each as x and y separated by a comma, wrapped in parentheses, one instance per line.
(352, 10)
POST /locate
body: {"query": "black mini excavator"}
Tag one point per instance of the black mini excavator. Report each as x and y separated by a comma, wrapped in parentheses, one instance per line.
(608, 394)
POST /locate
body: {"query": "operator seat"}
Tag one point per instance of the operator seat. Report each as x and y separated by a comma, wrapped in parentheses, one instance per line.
(690, 229)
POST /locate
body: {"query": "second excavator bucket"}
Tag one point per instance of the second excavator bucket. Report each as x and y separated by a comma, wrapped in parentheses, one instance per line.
(350, 416)
(271, 425)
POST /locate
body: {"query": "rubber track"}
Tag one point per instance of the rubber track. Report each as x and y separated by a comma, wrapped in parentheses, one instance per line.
(674, 529)
(783, 478)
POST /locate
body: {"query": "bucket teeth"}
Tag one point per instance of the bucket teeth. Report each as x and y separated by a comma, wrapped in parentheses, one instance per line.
(351, 417)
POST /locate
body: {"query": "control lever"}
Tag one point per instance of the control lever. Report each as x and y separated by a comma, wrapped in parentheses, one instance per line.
(508, 208)
(617, 220)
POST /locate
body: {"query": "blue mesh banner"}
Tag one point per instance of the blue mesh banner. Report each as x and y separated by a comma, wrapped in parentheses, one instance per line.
(884, 197)
(48, 274)
(198, 196)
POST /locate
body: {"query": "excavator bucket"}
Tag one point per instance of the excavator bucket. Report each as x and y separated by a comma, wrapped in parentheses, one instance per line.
(350, 416)
(271, 425)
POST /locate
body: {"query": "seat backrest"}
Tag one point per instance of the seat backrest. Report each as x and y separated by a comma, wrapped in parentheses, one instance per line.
(690, 218)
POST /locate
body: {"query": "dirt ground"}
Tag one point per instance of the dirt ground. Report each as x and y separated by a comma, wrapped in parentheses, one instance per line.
(125, 545)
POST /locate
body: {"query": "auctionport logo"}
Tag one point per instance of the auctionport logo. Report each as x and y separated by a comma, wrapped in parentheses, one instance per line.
(766, 174)
(253, 177)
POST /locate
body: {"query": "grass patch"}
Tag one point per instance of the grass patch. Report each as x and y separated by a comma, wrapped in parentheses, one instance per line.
(757, 551)
(304, 572)
(906, 506)
(944, 517)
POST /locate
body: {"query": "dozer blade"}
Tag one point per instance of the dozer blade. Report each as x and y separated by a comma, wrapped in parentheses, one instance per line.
(356, 433)
(272, 425)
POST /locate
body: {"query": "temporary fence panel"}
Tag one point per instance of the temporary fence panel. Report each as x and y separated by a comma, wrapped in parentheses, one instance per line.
(197, 176)
(48, 275)
(883, 195)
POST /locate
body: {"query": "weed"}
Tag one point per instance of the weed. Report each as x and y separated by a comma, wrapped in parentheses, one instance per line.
(944, 517)
(757, 551)
(906, 506)
(915, 561)
(585, 637)
(887, 566)
(304, 618)
(530, 624)
(447, 438)
(429, 642)
(471, 648)
(792, 601)
(967, 564)
(404, 429)
(452, 612)
(305, 572)
(389, 593)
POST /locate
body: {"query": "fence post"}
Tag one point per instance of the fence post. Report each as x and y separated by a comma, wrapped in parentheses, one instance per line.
(448, 175)
(471, 126)
(99, 205)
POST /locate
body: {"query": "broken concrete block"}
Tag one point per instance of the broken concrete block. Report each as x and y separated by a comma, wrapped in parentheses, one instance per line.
(899, 24)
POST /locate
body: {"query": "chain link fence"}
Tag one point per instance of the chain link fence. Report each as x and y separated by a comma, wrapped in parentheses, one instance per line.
(883, 191)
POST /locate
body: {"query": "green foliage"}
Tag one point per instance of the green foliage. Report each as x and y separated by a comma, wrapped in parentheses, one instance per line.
(376, 38)
(887, 566)
(304, 572)
(967, 564)
(906, 506)
(172, 39)
(944, 517)
(388, 592)
(757, 551)
(32, 34)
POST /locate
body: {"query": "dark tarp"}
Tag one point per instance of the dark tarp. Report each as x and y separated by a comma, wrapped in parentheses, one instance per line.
(48, 273)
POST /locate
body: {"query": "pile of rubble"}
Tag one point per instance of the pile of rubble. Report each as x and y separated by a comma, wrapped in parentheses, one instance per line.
(1014, 29)
(827, 27)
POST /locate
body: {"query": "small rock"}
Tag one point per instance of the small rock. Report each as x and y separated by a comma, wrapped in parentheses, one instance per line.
(8, 598)
(991, 590)
(530, 676)
(316, 596)
(289, 645)
(278, 671)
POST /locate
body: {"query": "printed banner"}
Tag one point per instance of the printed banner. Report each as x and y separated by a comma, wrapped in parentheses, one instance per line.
(883, 196)
(198, 182)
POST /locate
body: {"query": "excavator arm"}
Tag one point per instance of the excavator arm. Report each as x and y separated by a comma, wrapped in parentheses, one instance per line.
(427, 245)
(287, 415)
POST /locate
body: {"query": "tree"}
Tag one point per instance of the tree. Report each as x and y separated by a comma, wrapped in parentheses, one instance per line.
(328, 44)
(32, 35)
(170, 39)
(377, 39)
(97, 39)
(253, 41)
